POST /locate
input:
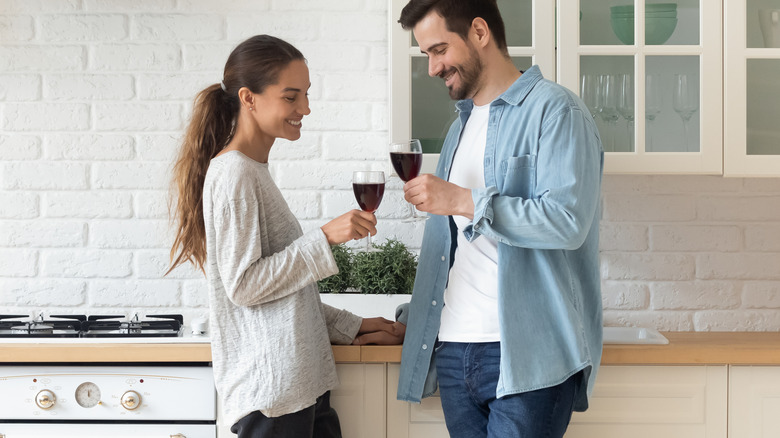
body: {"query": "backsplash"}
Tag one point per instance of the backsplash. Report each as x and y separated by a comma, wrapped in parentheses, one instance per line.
(94, 95)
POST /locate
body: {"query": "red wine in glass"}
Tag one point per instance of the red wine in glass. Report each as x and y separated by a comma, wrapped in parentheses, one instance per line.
(369, 187)
(407, 157)
(369, 195)
(406, 164)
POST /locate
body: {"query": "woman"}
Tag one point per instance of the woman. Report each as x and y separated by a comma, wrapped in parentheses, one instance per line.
(271, 335)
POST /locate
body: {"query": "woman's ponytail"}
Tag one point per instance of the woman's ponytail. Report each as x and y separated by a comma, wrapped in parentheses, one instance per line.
(210, 129)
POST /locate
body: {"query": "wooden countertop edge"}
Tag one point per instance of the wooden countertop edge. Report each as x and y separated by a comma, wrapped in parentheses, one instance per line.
(108, 353)
(684, 348)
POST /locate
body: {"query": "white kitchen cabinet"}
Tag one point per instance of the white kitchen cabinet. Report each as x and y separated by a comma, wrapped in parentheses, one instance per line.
(412, 420)
(653, 86)
(732, 130)
(754, 401)
(752, 88)
(655, 401)
(360, 399)
(420, 106)
(628, 401)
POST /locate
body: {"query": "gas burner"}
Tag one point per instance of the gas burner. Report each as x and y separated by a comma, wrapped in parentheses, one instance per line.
(94, 326)
(107, 326)
(58, 326)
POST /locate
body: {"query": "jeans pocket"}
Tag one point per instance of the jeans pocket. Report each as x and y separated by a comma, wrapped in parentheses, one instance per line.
(438, 346)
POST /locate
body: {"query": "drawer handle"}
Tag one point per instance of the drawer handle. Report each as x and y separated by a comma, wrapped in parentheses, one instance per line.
(178, 435)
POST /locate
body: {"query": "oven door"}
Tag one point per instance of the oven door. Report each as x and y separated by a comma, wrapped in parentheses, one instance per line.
(113, 430)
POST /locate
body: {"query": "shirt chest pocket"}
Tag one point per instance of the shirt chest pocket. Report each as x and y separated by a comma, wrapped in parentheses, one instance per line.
(518, 176)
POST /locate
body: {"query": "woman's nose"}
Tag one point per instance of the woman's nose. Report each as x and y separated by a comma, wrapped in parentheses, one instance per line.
(304, 108)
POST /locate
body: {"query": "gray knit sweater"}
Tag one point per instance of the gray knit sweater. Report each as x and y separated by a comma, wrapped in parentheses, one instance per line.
(270, 334)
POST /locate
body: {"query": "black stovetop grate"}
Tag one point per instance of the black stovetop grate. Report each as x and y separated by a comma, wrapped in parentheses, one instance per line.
(94, 326)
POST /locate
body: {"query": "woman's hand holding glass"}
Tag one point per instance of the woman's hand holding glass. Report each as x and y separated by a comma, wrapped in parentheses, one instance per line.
(352, 225)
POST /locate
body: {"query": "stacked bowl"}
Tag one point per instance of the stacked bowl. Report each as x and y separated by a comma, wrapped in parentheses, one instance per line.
(660, 21)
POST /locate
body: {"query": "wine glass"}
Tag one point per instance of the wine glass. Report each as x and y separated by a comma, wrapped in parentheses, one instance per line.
(609, 103)
(626, 105)
(407, 157)
(369, 187)
(686, 101)
(589, 91)
(653, 104)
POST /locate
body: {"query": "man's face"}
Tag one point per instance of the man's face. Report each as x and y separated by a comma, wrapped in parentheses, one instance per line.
(449, 57)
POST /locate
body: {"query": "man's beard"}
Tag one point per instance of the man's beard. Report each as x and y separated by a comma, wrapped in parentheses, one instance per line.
(469, 73)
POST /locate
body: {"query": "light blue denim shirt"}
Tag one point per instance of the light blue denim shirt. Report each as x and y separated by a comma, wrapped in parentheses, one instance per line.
(543, 165)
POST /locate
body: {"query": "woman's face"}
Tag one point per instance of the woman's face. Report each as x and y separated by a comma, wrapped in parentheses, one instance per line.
(280, 108)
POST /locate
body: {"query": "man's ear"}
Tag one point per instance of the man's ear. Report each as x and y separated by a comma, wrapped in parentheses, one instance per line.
(479, 32)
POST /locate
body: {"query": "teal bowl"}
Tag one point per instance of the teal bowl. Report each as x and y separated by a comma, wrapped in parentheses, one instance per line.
(649, 8)
(657, 29)
(669, 14)
(624, 29)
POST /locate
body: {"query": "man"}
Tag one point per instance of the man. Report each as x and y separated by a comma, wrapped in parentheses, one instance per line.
(506, 310)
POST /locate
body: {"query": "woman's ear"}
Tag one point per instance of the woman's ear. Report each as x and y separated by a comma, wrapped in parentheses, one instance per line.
(246, 97)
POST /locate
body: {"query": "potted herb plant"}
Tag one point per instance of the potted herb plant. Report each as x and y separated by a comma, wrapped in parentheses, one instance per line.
(371, 283)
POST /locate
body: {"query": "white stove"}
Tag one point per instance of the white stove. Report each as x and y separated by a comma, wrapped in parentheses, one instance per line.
(114, 400)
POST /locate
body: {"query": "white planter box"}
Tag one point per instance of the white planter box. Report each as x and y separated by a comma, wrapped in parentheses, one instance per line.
(367, 305)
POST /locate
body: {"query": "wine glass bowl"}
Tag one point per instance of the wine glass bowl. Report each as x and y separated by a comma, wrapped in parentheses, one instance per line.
(589, 91)
(626, 105)
(653, 105)
(369, 188)
(608, 85)
(686, 101)
(406, 158)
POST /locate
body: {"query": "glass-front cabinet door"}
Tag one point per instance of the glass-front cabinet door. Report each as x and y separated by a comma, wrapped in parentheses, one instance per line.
(420, 105)
(752, 88)
(650, 72)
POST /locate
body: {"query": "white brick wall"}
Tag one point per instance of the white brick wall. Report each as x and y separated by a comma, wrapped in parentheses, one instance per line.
(94, 95)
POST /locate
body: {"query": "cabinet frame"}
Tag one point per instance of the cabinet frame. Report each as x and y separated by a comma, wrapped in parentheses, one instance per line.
(709, 159)
(736, 53)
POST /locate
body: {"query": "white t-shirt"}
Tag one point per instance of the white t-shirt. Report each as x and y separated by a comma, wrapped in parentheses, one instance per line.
(470, 311)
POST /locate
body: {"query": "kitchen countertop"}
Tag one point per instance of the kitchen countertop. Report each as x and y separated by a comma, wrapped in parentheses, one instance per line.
(684, 348)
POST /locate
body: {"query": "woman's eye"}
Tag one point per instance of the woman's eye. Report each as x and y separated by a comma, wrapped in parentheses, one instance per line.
(290, 99)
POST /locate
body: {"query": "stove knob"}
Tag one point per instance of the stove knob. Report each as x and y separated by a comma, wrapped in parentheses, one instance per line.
(45, 399)
(130, 400)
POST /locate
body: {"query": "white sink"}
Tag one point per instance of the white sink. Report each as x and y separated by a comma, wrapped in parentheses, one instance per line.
(633, 335)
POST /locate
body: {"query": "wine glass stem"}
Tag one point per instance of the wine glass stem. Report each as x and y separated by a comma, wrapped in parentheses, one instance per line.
(412, 212)
(685, 131)
(649, 146)
(630, 128)
(368, 242)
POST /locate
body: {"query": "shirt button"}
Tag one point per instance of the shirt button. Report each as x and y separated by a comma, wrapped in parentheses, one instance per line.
(433, 303)
(442, 258)
(425, 346)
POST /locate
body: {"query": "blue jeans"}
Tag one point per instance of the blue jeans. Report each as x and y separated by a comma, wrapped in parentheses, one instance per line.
(468, 377)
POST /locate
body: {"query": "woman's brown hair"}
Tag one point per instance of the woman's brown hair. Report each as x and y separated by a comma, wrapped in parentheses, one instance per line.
(254, 64)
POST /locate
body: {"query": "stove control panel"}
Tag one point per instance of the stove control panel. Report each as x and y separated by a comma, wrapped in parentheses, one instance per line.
(135, 393)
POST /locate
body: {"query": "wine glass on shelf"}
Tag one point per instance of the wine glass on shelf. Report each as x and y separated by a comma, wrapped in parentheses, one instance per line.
(686, 101)
(653, 104)
(626, 105)
(609, 104)
(406, 157)
(369, 187)
(589, 91)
